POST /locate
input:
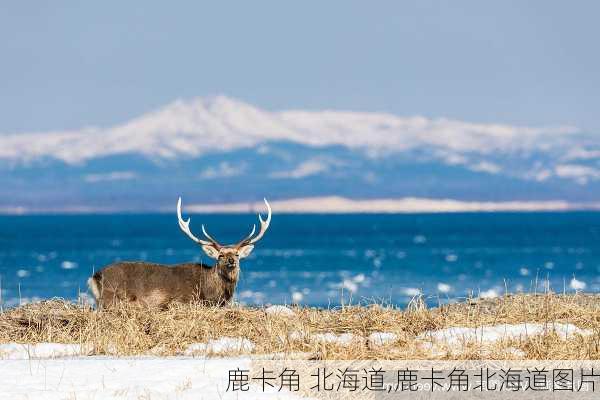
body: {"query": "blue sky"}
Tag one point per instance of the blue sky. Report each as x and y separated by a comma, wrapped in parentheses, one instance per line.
(65, 65)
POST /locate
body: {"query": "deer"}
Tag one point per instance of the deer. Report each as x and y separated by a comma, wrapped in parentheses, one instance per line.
(159, 285)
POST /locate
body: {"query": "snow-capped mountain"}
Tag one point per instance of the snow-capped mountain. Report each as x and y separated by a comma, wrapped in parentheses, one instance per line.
(224, 150)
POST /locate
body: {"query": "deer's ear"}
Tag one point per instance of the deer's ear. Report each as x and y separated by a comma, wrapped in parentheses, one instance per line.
(210, 251)
(245, 251)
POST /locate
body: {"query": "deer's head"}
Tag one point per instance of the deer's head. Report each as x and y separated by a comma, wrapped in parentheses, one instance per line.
(228, 257)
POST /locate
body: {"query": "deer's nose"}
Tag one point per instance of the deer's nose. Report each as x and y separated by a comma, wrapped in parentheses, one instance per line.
(231, 260)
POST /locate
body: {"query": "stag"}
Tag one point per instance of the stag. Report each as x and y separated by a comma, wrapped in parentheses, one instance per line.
(159, 285)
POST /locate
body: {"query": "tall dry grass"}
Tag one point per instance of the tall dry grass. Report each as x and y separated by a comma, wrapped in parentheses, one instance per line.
(129, 330)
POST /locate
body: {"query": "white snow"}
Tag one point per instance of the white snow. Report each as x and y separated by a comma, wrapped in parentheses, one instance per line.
(377, 339)
(343, 339)
(100, 378)
(582, 174)
(110, 176)
(279, 310)
(488, 334)
(298, 335)
(18, 351)
(188, 128)
(222, 345)
(337, 204)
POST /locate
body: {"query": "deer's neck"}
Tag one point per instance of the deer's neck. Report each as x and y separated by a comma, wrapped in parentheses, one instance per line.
(229, 282)
(230, 277)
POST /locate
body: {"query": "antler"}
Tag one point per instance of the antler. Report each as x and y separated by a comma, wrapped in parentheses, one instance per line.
(264, 225)
(185, 227)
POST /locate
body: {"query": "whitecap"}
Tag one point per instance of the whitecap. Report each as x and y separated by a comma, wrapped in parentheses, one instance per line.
(297, 297)
(444, 287)
(519, 288)
(349, 285)
(411, 291)
(523, 271)
(576, 284)
(23, 273)
(419, 239)
(68, 265)
(489, 294)
(451, 257)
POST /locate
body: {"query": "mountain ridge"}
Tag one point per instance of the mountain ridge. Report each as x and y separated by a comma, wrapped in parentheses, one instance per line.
(220, 150)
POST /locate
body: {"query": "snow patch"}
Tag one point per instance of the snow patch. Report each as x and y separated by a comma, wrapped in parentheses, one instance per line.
(221, 345)
(377, 339)
(456, 336)
(18, 351)
(280, 310)
(343, 340)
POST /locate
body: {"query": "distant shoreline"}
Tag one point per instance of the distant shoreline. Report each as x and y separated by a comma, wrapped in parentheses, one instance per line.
(333, 205)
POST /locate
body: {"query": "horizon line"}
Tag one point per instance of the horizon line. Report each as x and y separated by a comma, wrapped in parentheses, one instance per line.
(329, 205)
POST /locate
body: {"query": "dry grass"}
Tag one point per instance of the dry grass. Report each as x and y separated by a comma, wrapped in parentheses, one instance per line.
(129, 330)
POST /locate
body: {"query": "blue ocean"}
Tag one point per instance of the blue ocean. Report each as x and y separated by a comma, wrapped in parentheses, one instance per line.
(317, 260)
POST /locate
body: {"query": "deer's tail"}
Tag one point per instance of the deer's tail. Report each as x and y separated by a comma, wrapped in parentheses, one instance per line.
(94, 283)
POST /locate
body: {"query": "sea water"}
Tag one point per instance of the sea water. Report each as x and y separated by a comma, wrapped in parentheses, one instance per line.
(317, 260)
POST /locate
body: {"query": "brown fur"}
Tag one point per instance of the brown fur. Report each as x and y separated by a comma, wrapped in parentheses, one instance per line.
(158, 285)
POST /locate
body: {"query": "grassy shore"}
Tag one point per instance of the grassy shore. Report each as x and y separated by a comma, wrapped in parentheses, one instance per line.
(128, 330)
